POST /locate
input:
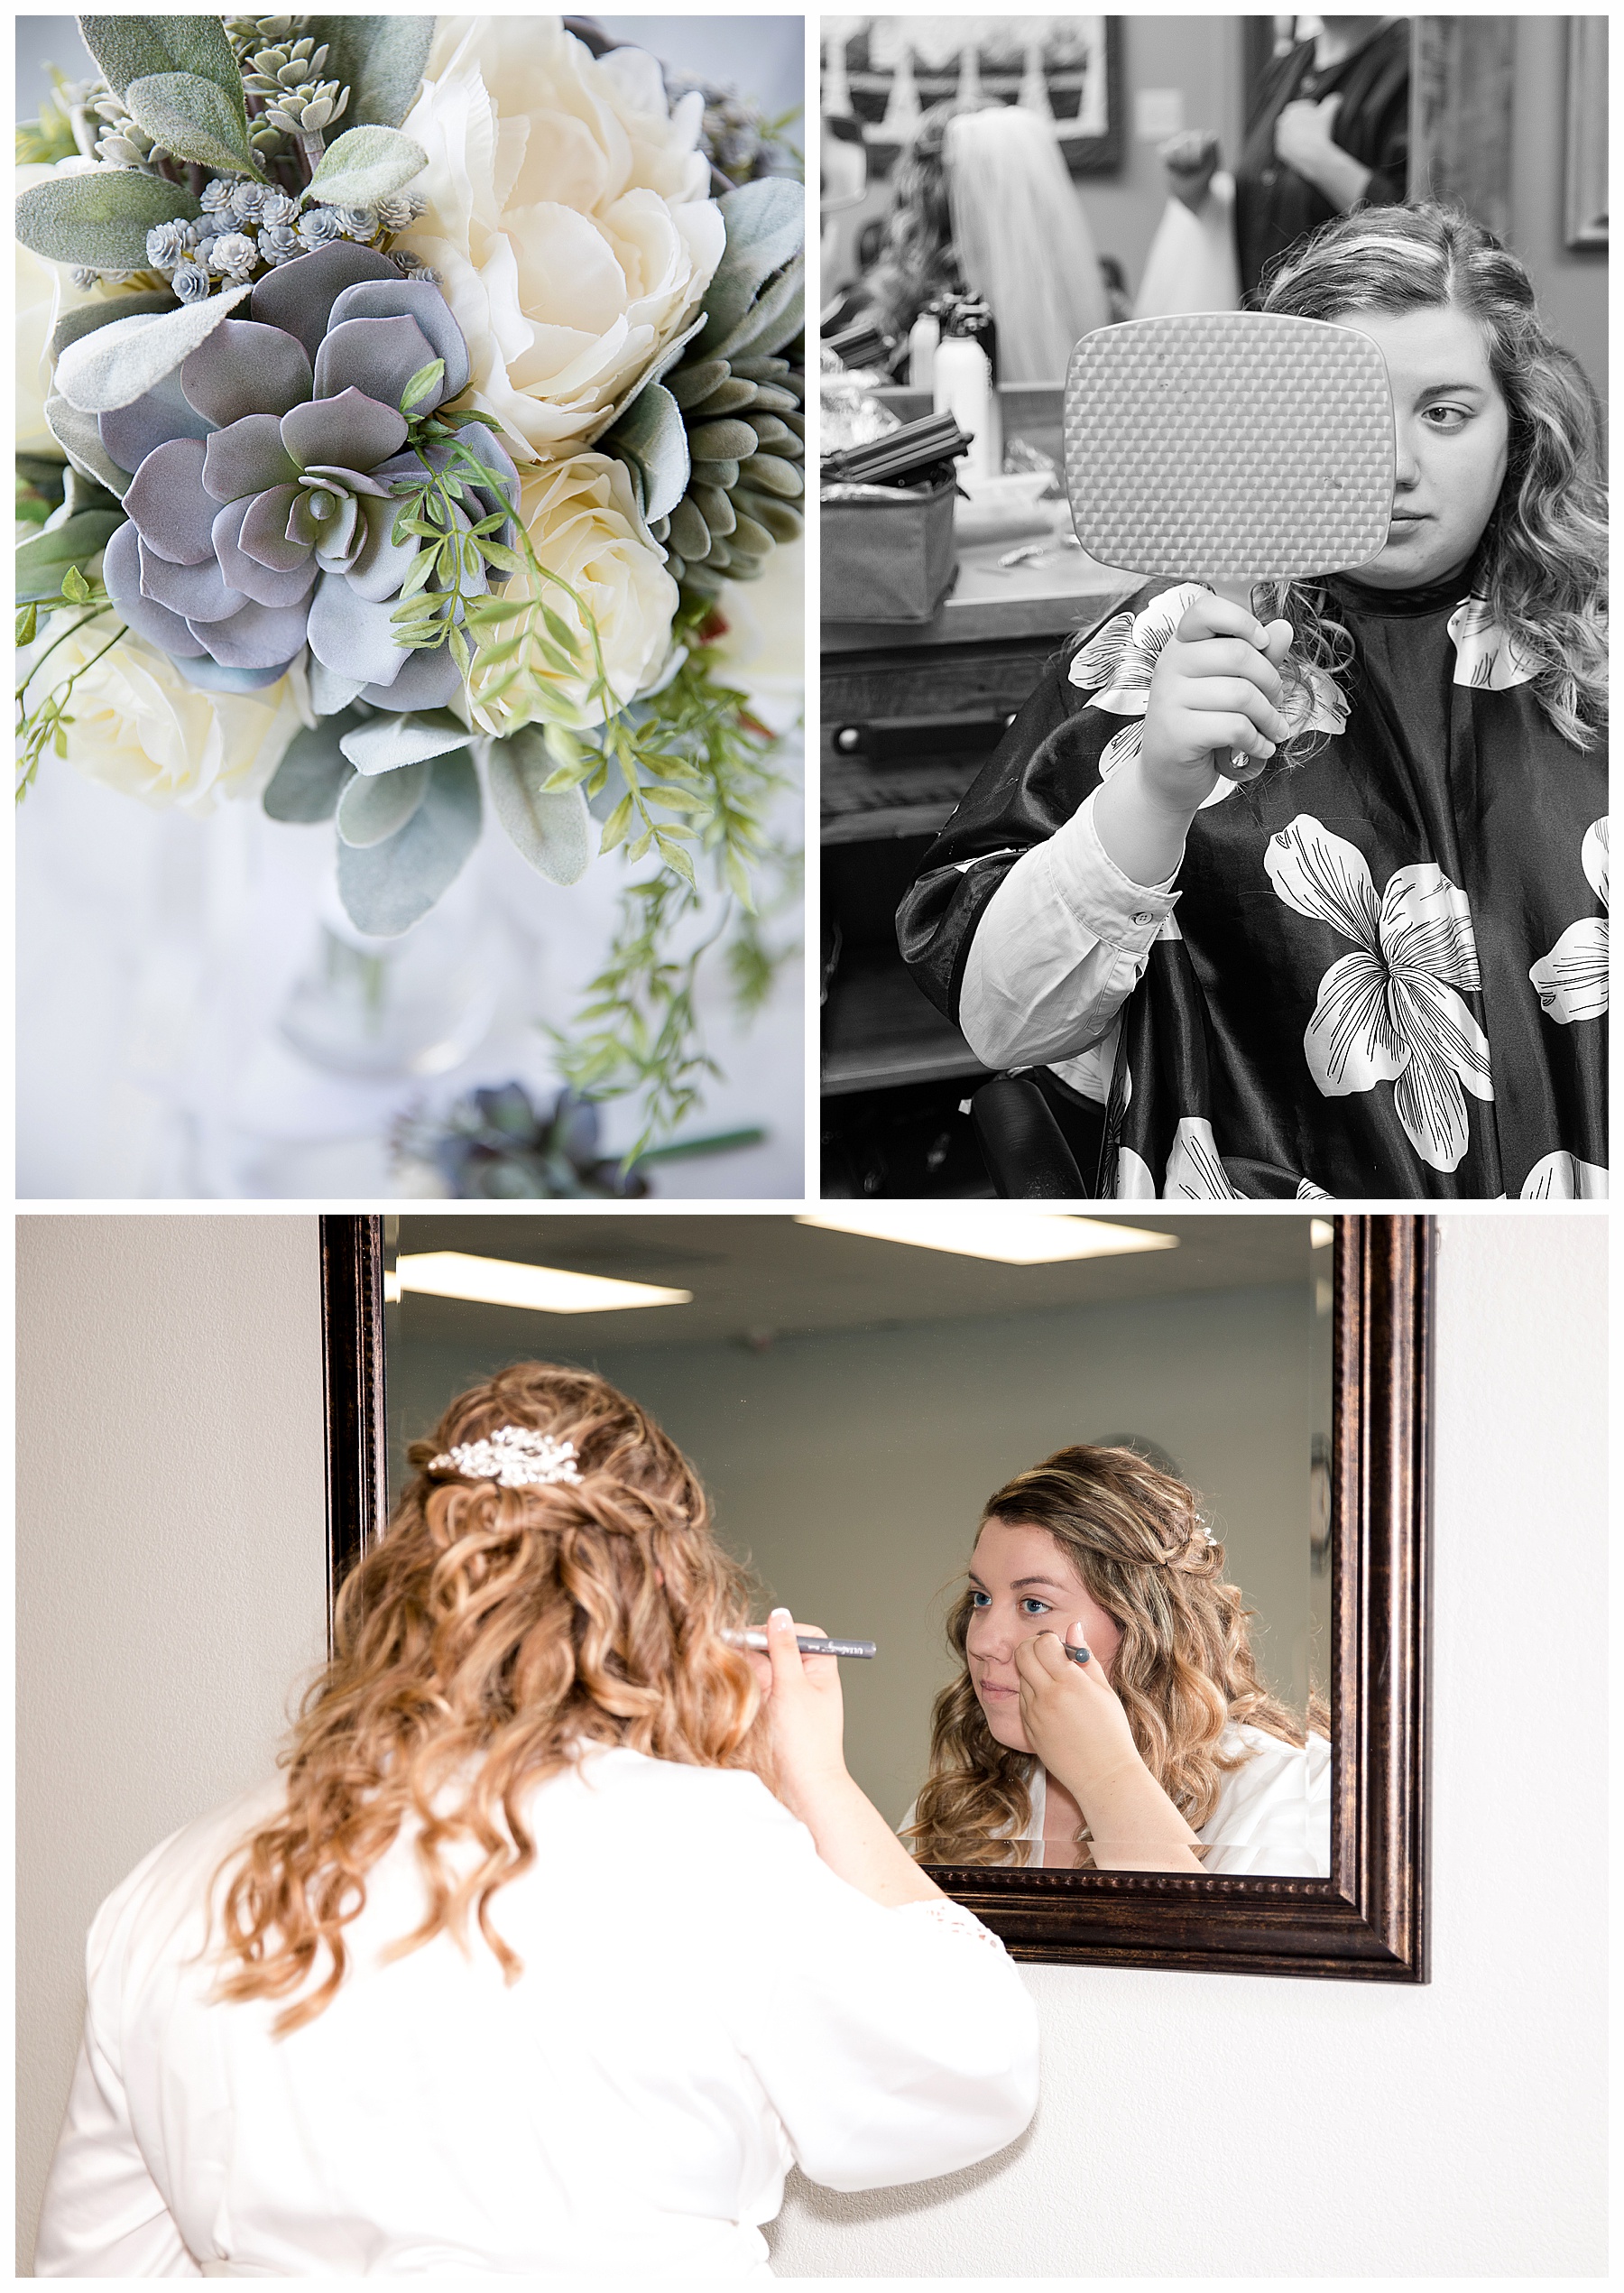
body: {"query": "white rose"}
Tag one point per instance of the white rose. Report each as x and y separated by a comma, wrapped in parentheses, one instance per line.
(141, 727)
(44, 290)
(582, 525)
(568, 220)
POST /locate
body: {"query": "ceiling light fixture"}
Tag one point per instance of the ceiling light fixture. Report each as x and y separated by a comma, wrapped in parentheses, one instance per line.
(1014, 1237)
(541, 1289)
(1322, 1234)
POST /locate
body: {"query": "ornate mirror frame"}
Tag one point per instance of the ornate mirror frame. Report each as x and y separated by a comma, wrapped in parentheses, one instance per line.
(1368, 1921)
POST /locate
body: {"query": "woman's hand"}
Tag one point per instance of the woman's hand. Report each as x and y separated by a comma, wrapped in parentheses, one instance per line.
(1191, 159)
(1074, 1722)
(1072, 1717)
(1305, 141)
(806, 1728)
(1216, 688)
(806, 1714)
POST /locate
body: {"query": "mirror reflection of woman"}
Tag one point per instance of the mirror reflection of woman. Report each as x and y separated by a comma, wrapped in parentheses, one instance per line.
(1162, 1750)
(563, 1934)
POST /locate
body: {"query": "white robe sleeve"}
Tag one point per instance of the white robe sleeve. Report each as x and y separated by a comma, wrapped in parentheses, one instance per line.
(894, 2044)
(103, 2216)
(1058, 950)
(1273, 1815)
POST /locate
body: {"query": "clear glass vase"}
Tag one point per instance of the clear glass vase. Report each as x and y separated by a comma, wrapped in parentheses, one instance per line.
(415, 1005)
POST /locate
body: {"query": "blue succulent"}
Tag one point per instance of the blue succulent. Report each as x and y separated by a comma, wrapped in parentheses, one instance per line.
(260, 507)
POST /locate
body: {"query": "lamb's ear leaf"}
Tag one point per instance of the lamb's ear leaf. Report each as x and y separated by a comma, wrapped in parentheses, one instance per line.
(130, 48)
(773, 321)
(79, 435)
(192, 118)
(100, 221)
(766, 226)
(42, 561)
(381, 59)
(387, 887)
(89, 316)
(313, 773)
(116, 365)
(652, 437)
(365, 164)
(387, 743)
(370, 810)
(554, 832)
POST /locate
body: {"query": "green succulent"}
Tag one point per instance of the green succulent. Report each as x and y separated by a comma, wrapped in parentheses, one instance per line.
(716, 443)
(746, 432)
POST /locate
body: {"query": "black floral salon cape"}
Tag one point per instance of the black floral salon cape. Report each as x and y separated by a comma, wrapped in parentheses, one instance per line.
(1387, 972)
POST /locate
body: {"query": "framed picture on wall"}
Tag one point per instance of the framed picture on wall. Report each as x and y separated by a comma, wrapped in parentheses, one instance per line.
(892, 70)
(1585, 203)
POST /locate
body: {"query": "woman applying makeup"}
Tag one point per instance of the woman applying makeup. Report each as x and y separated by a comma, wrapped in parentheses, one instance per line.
(1163, 1750)
(562, 1933)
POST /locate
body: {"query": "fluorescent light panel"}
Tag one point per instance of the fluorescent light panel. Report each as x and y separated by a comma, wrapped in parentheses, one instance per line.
(1014, 1237)
(542, 1289)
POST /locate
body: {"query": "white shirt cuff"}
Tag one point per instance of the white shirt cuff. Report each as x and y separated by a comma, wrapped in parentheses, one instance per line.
(1107, 903)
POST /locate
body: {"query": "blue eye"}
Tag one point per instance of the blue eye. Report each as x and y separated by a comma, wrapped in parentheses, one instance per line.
(1032, 1607)
(980, 1600)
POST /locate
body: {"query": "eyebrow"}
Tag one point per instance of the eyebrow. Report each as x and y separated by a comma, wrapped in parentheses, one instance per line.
(1438, 389)
(1016, 1583)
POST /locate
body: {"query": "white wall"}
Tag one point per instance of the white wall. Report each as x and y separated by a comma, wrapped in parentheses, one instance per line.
(170, 1570)
(1225, 2126)
(1190, 2124)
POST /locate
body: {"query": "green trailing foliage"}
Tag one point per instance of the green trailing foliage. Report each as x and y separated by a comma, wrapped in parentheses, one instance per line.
(638, 1033)
(81, 602)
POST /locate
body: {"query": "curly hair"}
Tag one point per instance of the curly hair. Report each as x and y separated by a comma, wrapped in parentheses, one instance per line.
(1543, 564)
(1184, 1670)
(917, 260)
(488, 1633)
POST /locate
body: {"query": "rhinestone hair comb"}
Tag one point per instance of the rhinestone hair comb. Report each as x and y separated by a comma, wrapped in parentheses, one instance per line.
(515, 1455)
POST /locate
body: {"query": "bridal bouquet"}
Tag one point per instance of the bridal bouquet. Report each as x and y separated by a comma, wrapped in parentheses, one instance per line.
(397, 398)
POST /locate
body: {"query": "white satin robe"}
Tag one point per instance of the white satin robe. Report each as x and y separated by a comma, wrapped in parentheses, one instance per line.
(703, 2003)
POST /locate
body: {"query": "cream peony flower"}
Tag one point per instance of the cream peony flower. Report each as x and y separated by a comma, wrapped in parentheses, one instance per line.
(582, 525)
(141, 727)
(44, 292)
(570, 219)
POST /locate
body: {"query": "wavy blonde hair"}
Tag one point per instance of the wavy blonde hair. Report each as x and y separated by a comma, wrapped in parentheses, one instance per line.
(1543, 560)
(486, 1634)
(1183, 1670)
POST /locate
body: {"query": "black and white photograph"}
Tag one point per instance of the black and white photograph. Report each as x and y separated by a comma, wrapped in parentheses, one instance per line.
(1214, 771)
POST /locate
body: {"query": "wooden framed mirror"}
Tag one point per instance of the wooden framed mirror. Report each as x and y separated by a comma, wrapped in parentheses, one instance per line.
(1367, 1920)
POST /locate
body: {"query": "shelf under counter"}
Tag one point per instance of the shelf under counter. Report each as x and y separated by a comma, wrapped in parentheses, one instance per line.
(880, 1031)
(895, 1072)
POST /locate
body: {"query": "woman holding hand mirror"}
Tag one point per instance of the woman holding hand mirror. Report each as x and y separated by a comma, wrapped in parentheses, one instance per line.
(1110, 1714)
